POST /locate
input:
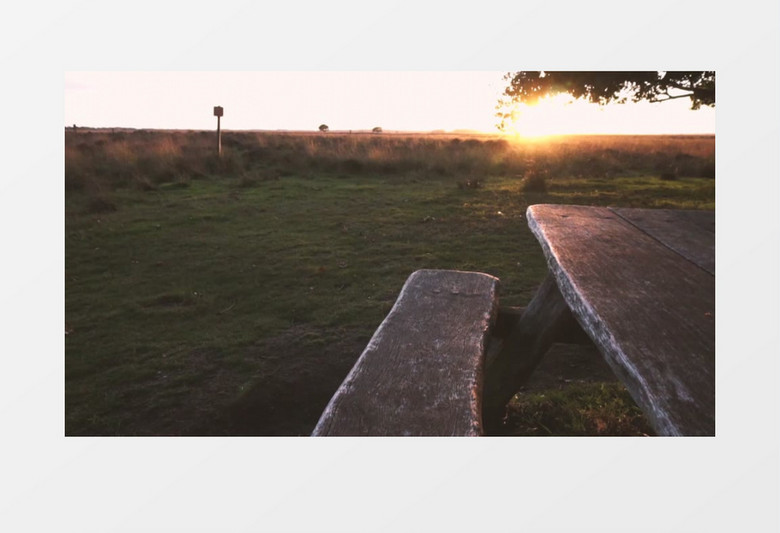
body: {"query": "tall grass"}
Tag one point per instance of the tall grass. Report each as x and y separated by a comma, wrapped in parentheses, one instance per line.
(104, 161)
(99, 162)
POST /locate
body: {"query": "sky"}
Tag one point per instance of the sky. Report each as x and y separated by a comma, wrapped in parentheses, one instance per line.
(349, 100)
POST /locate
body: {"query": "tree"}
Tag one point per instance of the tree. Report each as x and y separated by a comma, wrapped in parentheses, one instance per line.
(323, 128)
(377, 129)
(607, 87)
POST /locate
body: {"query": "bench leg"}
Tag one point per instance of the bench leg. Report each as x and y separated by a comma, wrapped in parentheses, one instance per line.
(546, 320)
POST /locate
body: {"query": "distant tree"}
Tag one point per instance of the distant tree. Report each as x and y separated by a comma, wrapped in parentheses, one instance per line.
(607, 87)
(377, 130)
(323, 128)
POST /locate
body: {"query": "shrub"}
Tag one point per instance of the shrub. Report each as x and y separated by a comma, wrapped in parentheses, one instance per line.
(534, 181)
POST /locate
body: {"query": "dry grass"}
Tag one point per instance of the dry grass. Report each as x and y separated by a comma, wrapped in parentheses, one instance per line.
(103, 161)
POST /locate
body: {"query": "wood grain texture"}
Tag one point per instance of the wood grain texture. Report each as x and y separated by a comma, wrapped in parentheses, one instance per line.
(689, 233)
(648, 309)
(421, 373)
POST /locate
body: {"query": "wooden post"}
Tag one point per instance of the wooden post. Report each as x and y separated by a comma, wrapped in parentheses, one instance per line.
(218, 114)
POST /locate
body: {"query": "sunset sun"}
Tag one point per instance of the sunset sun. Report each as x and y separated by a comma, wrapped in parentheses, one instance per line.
(552, 115)
(562, 114)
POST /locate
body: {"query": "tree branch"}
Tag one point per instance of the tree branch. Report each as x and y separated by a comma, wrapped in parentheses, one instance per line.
(676, 85)
(670, 97)
(694, 90)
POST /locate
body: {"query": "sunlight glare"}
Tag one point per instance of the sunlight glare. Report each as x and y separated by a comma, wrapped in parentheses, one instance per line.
(561, 114)
(552, 115)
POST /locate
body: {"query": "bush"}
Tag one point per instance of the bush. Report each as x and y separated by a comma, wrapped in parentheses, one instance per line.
(534, 181)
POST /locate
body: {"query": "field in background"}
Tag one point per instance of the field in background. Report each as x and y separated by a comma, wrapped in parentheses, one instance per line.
(232, 295)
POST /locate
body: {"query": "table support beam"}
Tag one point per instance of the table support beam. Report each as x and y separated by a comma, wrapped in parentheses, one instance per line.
(546, 320)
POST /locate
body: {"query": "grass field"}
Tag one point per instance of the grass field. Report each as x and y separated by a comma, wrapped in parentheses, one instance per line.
(212, 296)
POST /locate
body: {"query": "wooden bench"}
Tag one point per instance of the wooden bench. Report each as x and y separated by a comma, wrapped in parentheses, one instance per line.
(422, 371)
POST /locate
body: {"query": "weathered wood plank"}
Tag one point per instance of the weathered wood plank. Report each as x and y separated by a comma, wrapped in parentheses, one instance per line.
(649, 310)
(689, 233)
(422, 372)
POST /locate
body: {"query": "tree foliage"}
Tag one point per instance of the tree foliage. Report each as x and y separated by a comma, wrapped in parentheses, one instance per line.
(608, 87)
(323, 128)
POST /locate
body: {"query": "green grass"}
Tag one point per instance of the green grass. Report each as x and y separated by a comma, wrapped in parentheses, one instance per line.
(578, 410)
(233, 297)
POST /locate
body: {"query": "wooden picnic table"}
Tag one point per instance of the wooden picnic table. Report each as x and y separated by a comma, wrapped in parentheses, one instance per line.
(638, 283)
(641, 284)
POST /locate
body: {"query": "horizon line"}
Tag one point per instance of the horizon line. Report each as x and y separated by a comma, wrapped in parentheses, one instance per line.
(459, 131)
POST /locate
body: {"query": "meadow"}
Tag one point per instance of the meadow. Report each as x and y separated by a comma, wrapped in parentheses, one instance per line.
(231, 295)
